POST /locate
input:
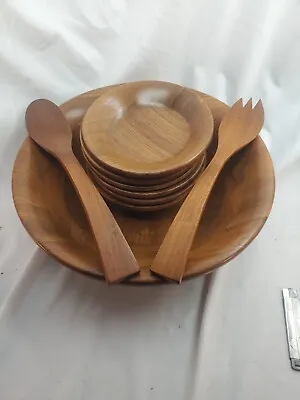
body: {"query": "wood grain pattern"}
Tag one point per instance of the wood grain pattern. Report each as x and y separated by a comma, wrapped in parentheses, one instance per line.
(140, 190)
(124, 201)
(147, 128)
(172, 190)
(142, 184)
(237, 209)
(48, 127)
(239, 127)
(140, 207)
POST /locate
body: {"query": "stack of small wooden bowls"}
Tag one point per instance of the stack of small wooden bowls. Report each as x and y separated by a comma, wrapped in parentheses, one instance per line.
(144, 144)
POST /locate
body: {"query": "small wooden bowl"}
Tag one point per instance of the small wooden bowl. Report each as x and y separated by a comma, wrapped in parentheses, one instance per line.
(140, 208)
(52, 214)
(147, 129)
(138, 204)
(142, 184)
(173, 189)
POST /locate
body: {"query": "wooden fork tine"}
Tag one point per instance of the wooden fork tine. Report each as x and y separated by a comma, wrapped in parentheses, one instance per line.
(259, 107)
(238, 104)
(237, 107)
(259, 111)
(259, 104)
(248, 105)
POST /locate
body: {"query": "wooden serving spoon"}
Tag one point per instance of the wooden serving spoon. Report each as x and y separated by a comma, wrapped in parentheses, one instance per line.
(239, 127)
(48, 127)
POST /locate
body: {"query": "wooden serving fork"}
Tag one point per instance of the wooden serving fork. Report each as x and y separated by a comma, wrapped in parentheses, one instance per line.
(239, 127)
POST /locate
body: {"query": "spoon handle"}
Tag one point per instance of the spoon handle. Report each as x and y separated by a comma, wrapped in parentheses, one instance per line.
(117, 259)
(171, 259)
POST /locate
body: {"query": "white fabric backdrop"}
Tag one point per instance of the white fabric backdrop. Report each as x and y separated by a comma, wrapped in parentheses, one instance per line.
(64, 336)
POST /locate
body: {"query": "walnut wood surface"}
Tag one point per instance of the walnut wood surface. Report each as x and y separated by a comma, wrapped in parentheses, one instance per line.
(173, 190)
(138, 181)
(142, 207)
(147, 128)
(239, 127)
(48, 127)
(127, 200)
(237, 208)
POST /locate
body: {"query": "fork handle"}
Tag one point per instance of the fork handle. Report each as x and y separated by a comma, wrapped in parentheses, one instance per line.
(118, 261)
(171, 259)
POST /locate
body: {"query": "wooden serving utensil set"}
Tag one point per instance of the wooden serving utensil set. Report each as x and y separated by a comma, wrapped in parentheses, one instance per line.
(145, 149)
